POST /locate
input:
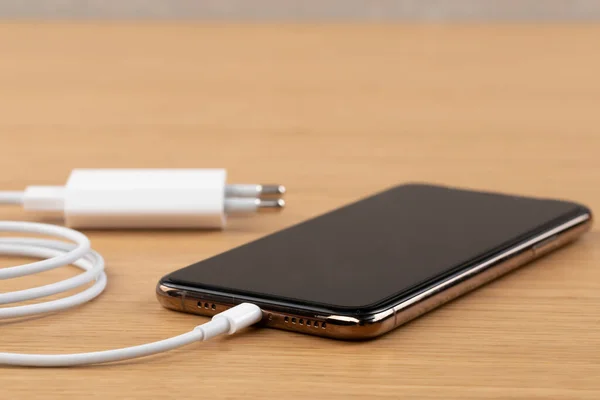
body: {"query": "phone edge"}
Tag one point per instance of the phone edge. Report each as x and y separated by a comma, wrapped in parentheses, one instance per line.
(376, 324)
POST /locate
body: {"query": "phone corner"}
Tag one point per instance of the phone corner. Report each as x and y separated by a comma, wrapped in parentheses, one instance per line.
(584, 213)
(169, 297)
(585, 210)
(366, 326)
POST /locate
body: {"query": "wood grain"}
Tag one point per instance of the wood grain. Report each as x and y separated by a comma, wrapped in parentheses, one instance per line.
(335, 113)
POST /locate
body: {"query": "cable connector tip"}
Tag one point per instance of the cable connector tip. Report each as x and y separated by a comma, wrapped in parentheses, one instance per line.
(241, 316)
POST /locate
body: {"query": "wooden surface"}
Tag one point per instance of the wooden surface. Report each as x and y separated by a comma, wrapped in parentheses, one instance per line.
(335, 113)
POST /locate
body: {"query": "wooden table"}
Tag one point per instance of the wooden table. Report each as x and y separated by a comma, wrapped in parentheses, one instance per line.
(335, 113)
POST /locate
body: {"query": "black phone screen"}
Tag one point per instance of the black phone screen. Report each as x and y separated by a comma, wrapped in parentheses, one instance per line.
(363, 254)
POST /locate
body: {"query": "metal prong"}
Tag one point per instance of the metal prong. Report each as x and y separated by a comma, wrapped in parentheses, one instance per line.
(255, 191)
(267, 191)
(244, 205)
(271, 205)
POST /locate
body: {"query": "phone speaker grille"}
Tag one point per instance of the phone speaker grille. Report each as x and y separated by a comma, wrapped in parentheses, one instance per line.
(310, 323)
(207, 306)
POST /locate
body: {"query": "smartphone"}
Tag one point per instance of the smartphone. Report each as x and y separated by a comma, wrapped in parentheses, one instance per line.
(362, 270)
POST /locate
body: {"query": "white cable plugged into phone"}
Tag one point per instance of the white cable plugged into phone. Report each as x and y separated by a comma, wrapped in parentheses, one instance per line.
(116, 198)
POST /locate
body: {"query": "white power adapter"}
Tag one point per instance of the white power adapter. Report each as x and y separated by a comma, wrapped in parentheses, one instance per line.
(150, 198)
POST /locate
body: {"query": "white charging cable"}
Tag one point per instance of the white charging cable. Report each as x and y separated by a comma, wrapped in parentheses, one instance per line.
(116, 192)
